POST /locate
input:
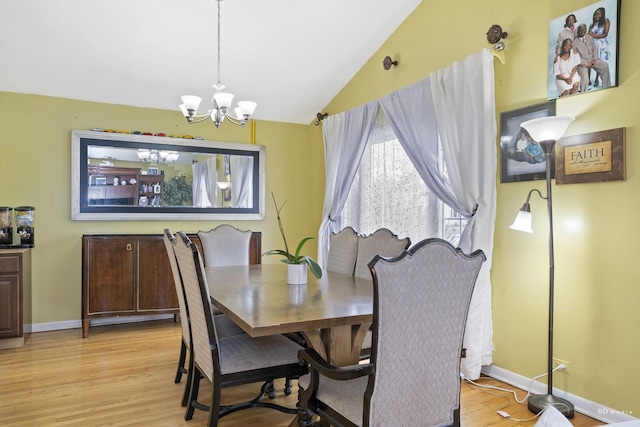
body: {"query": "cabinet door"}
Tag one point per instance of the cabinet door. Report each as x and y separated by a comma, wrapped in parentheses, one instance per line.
(156, 290)
(10, 306)
(110, 268)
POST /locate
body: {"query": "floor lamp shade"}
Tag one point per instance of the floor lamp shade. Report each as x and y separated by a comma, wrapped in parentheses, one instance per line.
(547, 128)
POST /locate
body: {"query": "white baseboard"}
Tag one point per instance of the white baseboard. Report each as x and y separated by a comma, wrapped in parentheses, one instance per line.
(587, 407)
(74, 324)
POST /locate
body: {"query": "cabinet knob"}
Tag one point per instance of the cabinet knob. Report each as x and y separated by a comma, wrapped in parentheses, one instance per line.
(129, 247)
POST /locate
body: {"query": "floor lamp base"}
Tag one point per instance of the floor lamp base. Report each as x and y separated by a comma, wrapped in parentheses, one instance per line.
(539, 402)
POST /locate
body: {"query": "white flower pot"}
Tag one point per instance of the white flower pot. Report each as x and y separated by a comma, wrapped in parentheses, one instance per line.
(296, 274)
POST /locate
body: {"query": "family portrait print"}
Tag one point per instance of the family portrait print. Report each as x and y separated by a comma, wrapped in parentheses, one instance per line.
(522, 158)
(583, 50)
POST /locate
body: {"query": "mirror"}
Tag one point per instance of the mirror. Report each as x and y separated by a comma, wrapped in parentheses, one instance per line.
(142, 177)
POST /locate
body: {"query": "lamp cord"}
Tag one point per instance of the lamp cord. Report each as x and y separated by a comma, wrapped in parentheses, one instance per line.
(515, 395)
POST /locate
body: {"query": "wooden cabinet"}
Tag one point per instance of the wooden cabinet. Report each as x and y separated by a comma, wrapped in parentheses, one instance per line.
(130, 275)
(15, 296)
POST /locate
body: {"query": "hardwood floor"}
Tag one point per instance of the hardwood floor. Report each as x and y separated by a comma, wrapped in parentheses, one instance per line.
(122, 375)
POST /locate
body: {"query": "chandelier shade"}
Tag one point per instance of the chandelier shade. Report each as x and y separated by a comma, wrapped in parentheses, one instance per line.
(157, 156)
(221, 101)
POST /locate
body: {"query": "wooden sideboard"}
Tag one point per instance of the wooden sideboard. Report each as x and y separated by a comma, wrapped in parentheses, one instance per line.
(129, 275)
(15, 296)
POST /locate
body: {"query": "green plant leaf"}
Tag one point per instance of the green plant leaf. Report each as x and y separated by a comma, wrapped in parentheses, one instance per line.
(300, 245)
(280, 252)
(290, 258)
(313, 266)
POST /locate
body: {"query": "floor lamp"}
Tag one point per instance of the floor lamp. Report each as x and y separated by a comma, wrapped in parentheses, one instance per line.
(546, 131)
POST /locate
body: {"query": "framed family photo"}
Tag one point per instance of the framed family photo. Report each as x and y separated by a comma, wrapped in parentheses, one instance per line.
(519, 158)
(583, 50)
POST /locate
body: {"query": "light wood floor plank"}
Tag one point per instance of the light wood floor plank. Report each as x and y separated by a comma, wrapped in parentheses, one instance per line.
(122, 375)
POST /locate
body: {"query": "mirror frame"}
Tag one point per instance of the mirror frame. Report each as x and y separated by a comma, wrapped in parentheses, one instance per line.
(82, 211)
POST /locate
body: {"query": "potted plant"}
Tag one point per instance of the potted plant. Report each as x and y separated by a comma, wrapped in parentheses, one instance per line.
(177, 191)
(296, 263)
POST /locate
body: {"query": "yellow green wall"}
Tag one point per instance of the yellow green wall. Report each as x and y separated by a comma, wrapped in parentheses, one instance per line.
(35, 169)
(597, 292)
(596, 325)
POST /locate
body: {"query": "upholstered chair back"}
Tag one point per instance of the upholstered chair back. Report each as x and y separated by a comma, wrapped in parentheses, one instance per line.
(343, 251)
(169, 242)
(225, 245)
(382, 242)
(204, 344)
(421, 301)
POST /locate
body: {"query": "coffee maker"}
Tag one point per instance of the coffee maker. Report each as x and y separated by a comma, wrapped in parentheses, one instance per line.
(6, 231)
(24, 223)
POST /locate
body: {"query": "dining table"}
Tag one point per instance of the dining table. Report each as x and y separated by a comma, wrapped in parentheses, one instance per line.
(332, 313)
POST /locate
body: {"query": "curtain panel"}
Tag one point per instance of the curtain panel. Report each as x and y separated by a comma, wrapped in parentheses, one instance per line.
(457, 105)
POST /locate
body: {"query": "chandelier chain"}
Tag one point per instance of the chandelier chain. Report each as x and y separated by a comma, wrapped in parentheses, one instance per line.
(219, 84)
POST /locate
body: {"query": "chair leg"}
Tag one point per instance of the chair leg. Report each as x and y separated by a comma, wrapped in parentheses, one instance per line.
(270, 390)
(214, 409)
(287, 386)
(187, 386)
(193, 394)
(183, 355)
(305, 419)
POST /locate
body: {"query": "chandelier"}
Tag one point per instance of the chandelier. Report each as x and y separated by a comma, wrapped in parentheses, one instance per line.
(157, 156)
(221, 101)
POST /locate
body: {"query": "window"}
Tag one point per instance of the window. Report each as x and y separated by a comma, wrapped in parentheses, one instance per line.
(388, 192)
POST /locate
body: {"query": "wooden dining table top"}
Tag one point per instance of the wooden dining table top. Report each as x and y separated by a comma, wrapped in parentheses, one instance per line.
(333, 313)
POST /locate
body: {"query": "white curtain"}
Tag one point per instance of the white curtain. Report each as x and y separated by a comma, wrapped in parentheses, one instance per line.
(458, 105)
(388, 191)
(241, 181)
(464, 100)
(345, 138)
(411, 114)
(204, 183)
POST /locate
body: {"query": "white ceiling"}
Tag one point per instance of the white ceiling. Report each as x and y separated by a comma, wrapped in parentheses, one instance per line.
(290, 56)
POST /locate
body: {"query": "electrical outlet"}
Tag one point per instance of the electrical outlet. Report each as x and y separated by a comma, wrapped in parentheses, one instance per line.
(557, 362)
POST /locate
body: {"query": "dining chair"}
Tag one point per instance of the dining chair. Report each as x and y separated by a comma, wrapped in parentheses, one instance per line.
(224, 246)
(343, 251)
(420, 304)
(225, 326)
(229, 361)
(381, 242)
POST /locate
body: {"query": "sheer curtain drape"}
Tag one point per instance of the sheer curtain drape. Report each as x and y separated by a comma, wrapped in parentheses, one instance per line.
(345, 138)
(440, 105)
(388, 191)
(242, 185)
(203, 183)
(412, 118)
(464, 99)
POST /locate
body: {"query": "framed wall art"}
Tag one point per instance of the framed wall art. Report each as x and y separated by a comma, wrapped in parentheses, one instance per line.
(591, 157)
(519, 161)
(583, 50)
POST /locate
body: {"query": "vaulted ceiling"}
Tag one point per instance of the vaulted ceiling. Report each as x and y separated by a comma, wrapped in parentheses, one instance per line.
(290, 56)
